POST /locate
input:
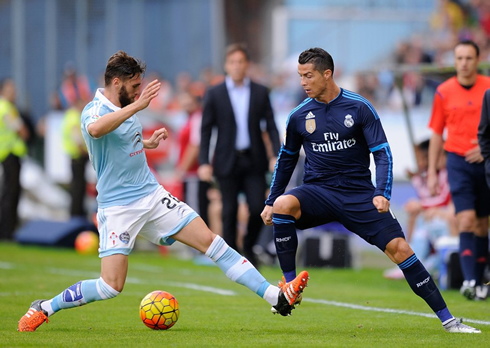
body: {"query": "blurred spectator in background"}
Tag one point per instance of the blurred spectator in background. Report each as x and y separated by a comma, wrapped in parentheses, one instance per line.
(195, 190)
(13, 135)
(239, 109)
(74, 87)
(484, 134)
(429, 217)
(74, 146)
(457, 107)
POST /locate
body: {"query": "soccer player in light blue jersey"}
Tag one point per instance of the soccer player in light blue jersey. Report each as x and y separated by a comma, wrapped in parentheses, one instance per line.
(131, 202)
(338, 131)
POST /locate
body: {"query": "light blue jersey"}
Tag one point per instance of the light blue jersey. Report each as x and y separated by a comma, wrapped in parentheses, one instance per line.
(119, 160)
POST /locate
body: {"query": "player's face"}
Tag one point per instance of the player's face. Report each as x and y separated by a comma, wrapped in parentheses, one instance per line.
(466, 61)
(129, 90)
(313, 82)
(236, 66)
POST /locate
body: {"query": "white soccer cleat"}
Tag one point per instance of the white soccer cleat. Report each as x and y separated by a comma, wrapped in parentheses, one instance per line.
(457, 326)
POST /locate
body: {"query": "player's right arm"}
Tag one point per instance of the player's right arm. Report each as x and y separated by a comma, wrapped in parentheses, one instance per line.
(286, 161)
(437, 124)
(111, 121)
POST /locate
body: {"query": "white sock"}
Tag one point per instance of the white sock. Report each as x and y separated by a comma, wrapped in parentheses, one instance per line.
(46, 305)
(271, 295)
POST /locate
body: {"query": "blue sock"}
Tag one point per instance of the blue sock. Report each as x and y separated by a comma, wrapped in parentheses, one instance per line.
(467, 255)
(81, 293)
(481, 255)
(286, 241)
(236, 267)
(424, 286)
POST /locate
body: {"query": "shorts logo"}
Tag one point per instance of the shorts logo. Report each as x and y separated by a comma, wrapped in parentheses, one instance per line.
(73, 293)
(124, 237)
(310, 122)
(113, 237)
(349, 121)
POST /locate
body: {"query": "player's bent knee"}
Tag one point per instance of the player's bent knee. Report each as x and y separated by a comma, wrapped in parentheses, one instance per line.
(399, 250)
(288, 205)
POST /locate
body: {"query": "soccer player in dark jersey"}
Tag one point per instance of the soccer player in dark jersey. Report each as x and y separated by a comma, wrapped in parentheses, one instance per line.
(338, 130)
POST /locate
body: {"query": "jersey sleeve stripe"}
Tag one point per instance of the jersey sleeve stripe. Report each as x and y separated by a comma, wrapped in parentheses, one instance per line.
(389, 183)
(289, 152)
(303, 103)
(379, 147)
(354, 96)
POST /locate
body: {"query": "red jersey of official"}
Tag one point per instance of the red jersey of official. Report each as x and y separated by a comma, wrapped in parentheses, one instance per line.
(459, 110)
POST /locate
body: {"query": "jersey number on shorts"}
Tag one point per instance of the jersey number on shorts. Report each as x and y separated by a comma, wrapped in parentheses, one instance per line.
(170, 201)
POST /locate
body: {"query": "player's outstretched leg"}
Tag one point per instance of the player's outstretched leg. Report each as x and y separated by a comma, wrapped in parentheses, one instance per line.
(424, 286)
(34, 317)
(77, 295)
(290, 294)
(238, 269)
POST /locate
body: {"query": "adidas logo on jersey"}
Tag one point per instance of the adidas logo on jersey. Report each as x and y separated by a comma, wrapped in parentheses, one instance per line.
(310, 115)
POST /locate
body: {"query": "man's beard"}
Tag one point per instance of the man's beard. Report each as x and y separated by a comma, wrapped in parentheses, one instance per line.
(124, 98)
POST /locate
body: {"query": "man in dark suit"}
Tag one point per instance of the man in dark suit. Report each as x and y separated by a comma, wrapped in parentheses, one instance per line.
(484, 133)
(239, 109)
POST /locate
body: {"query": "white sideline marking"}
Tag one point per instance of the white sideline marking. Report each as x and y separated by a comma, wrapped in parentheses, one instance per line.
(6, 265)
(188, 286)
(386, 310)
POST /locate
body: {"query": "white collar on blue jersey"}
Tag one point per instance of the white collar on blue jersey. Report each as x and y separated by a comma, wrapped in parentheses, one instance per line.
(100, 95)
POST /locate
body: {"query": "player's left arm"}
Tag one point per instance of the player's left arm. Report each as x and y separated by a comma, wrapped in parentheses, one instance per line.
(383, 159)
(156, 137)
(484, 127)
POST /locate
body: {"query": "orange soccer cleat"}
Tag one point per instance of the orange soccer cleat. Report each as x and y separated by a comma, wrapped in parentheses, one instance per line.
(290, 294)
(34, 317)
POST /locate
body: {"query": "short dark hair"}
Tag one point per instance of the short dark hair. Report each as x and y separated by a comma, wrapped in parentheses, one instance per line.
(123, 66)
(237, 47)
(470, 43)
(320, 59)
(424, 145)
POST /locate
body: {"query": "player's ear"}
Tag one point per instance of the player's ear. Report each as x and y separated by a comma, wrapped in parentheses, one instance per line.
(327, 74)
(116, 82)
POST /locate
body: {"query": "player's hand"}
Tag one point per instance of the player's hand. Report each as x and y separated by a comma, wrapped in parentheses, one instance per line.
(205, 172)
(433, 183)
(272, 164)
(266, 215)
(154, 141)
(149, 92)
(382, 204)
(474, 155)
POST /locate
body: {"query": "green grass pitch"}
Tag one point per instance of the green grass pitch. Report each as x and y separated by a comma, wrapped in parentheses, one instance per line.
(341, 307)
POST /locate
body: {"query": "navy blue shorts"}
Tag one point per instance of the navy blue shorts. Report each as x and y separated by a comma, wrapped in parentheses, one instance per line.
(351, 204)
(468, 186)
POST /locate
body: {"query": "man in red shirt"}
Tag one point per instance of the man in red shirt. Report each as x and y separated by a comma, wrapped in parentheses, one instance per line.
(457, 108)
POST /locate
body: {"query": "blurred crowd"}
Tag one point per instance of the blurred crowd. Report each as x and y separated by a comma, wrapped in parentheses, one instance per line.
(451, 22)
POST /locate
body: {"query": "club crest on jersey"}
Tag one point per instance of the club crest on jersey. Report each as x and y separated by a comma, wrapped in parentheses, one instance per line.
(349, 121)
(136, 139)
(310, 122)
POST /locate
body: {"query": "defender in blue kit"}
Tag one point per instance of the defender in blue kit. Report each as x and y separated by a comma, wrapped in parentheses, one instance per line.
(338, 131)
